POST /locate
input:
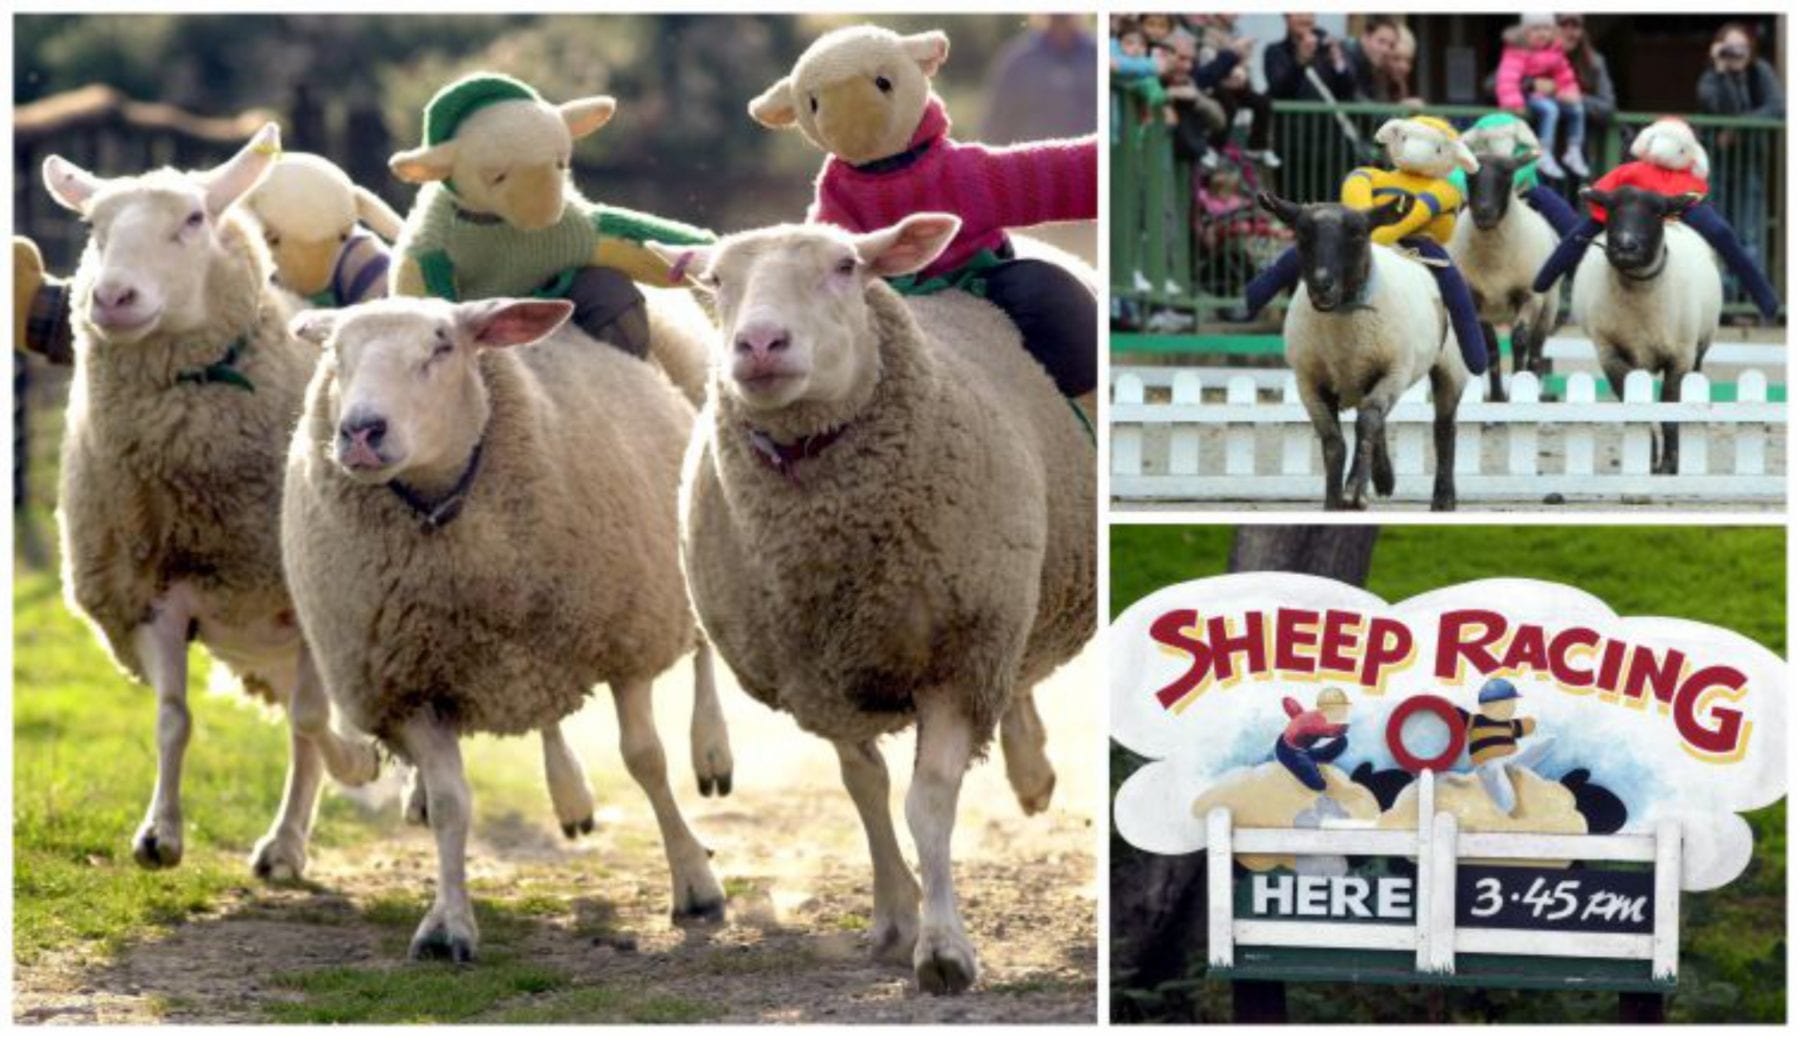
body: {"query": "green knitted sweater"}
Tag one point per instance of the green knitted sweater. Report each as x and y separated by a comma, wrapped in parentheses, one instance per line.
(464, 255)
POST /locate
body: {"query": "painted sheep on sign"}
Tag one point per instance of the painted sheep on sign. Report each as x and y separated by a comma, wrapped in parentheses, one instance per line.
(1542, 699)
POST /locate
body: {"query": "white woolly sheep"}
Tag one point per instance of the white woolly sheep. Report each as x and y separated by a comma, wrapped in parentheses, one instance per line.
(476, 536)
(187, 387)
(1650, 298)
(1499, 244)
(1365, 324)
(888, 516)
(309, 210)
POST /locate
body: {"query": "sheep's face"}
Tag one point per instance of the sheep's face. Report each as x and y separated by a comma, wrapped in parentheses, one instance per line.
(791, 301)
(858, 92)
(1333, 243)
(153, 239)
(407, 395)
(1423, 149)
(306, 214)
(1491, 188)
(510, 159)
(1634, 224)
(1671, 144)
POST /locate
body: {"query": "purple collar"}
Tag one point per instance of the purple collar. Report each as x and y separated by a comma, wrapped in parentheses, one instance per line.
(782, 457)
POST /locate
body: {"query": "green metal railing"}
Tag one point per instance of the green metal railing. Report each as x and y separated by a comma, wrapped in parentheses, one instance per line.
(1162, 258)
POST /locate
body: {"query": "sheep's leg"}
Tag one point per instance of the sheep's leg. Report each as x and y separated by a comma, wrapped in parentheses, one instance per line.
(161, 646)
(280, 856)
(1022, 740)
(1671, 431)
(708, 737)
(698, 896)
(448, 929)
(1445, 395)
(1496, 377)
(352, 761)
(895, 930)
(943, 959)
(570, 792)
(1322, 407)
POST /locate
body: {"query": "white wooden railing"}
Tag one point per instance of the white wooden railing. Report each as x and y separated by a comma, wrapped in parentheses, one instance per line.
(1257, 444)
(1438, 847)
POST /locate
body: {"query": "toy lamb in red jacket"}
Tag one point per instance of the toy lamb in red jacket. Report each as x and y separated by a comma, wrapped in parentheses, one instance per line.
(863, 94)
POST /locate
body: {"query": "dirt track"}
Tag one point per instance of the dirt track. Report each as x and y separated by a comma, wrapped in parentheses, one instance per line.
(787, 846)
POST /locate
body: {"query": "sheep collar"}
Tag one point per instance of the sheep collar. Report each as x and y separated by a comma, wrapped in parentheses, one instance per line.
(1662, 262)
(224, 370)
(934, 126)
(436, 516)
(782, 457)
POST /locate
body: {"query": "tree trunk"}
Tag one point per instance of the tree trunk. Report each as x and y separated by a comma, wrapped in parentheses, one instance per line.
(1159, 902)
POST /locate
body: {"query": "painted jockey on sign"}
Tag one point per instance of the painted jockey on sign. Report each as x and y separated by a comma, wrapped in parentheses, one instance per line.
(1494, 735)
(1313, 737)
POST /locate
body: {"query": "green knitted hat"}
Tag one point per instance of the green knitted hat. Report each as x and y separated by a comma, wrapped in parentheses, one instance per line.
(456, 102)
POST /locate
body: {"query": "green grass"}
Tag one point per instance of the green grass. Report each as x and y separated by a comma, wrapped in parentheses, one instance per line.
(605, 1005)
(1733, 962)
(84, 763)
(410, 993)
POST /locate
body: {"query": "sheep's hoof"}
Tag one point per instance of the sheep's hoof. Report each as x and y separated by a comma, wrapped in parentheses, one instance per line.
(575, 829)
(715, 784)
(699, 913)
(274, 861)
(893, 940)
(944, 965)
(439, 944)
(154, 851)
(712, 768)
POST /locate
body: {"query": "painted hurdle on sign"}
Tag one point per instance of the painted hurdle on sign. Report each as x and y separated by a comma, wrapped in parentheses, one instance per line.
(1247, 433)
(1420, 914)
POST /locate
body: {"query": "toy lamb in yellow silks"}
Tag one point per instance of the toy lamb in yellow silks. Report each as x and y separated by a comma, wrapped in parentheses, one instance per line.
(863, 94)
(313, 219)
(1424, 151)
(498, 215)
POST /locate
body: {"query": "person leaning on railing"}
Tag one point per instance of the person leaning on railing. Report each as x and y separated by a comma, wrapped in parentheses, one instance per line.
(1738, 83)
(1305, 48)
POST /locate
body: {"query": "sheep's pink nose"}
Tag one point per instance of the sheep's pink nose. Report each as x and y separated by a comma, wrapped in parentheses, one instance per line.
(760, 338)
(114, 296)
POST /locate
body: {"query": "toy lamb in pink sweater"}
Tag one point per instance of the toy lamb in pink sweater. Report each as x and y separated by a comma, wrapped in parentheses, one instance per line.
(863, 94)
(1536, 78)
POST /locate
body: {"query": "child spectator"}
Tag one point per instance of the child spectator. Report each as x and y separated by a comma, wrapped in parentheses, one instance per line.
(1225, 57)
(1535, 77)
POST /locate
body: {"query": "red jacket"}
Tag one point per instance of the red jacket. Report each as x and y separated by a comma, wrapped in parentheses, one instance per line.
(1306, 727)
(1646, 176)
(990, 188)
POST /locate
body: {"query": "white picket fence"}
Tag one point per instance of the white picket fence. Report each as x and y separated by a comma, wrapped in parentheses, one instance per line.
(1438, 848)
(1248, 448)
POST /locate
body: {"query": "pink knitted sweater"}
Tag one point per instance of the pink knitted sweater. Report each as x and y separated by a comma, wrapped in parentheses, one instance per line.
(990, 188)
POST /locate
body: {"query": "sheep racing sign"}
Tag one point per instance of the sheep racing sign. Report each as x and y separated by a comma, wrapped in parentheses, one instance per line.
(1501, 782)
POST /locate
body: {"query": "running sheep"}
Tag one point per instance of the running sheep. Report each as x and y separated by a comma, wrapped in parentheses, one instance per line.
(187, 387)
(479, 533)
(888, 521)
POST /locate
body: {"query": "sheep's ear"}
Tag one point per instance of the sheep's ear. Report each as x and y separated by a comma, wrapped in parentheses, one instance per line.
(1524, 134)
(775, 107)
(71, 186)
(239, 174)
(1388, 212)
(1390, 132)
(424, 165)
(907, 246)
(1282, 209)
(1603, 199)
(498, 323)
(686, 262)
(377, 215)
(1641, 143)
(1700, 167)
(584, 115)
(315, 326)
(929, 49)
(1464, 157)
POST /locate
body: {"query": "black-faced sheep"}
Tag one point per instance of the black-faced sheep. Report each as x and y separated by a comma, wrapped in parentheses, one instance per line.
(187, 387)
(888, 516)
(1499, 244)
(476, 536)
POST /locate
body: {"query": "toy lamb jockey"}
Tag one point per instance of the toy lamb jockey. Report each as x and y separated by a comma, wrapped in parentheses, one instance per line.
(1505, 135)
(1670, 162)
(1494, 735)
(863, 94)
(313, 219)
(1313, 737)
(498, 215)
(1424, 151)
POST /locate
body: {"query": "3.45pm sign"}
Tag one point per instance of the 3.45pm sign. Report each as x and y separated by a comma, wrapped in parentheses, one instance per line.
(1501, 783)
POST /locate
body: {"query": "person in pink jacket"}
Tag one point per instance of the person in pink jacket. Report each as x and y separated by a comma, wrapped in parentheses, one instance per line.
(1536, 78)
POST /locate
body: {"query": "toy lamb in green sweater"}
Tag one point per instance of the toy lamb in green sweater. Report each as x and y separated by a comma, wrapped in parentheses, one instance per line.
(498, 215)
